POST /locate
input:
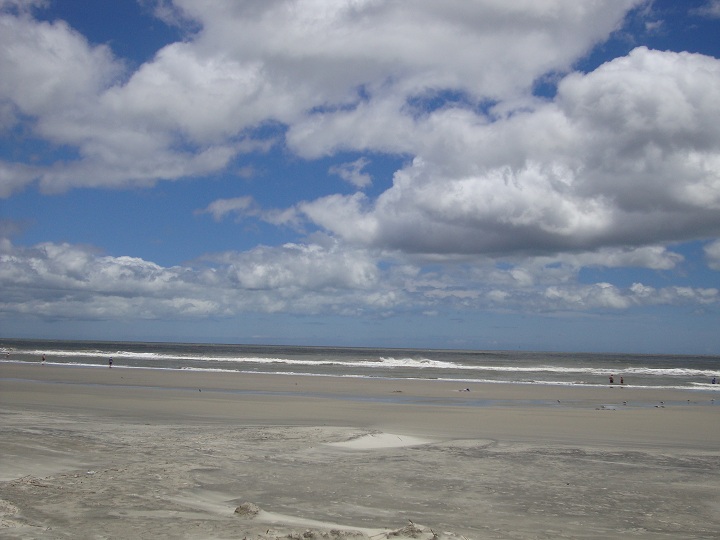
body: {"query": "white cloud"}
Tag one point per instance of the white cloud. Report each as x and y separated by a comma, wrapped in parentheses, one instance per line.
(346, 217)
(712, 253)
(297, 62)
(51, 73)
(488, 47)
(652, 257)
(563, 269)
(14, 176)
(64, 281)
(247, 207)
(711, 9)
(206, 97)
(600, 295)
(626, 155)
(222, 207)
(305, 267)
(49, 69)
(24, 7)
(352, 172)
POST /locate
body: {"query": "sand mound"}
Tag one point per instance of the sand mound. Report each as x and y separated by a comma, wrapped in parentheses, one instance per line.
(247, 510)
(412, 531)
(380, 440)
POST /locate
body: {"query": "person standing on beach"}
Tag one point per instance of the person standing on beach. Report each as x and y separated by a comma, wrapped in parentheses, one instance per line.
(110, 362)
(43, 360)
(612, 379)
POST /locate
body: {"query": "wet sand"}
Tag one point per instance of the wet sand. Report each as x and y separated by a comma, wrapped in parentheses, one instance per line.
(135, 453)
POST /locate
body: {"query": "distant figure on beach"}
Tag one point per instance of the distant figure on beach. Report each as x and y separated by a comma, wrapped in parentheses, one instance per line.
(612, 379)
(110, 362)
(714, 381)
(43, 360)
(622, 381)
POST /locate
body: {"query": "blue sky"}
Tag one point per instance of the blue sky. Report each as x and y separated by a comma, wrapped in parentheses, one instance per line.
(476, 174)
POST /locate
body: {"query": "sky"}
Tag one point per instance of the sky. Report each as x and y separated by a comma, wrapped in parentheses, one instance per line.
(526, 175)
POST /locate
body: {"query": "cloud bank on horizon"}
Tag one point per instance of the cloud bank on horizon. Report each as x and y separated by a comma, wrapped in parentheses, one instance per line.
(364, 160)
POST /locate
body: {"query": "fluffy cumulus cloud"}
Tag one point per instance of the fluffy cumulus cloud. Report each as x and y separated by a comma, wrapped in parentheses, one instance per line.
(187, 111)
(52, 75)
(504, 197)
(626, 155)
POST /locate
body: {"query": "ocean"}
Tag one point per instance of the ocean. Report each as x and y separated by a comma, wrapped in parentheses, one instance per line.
(465, 367)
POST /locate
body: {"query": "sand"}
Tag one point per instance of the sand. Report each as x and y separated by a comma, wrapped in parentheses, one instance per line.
(132, 453)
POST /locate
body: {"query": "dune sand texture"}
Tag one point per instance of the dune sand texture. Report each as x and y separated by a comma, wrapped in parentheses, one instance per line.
(129, 453)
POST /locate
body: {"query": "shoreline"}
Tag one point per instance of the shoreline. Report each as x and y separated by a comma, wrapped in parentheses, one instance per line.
(140, 452)
(170, 374)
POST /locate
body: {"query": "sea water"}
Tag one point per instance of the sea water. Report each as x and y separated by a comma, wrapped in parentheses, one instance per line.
(502, 367)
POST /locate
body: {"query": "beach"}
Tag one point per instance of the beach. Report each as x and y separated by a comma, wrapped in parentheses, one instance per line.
(92, 452)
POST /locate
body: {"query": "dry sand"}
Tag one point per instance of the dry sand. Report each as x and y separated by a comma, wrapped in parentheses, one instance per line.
(131, 453)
